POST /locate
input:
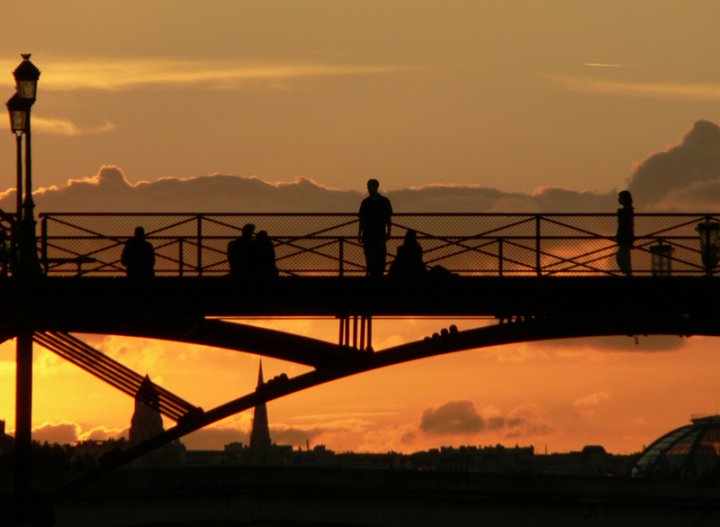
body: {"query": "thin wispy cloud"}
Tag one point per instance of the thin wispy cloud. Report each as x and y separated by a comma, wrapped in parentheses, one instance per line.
(54, 126)
(707, 91)
(124, 74)
(605, 65)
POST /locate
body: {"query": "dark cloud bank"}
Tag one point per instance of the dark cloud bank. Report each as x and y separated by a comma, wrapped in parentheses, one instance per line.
(683, 177)
(461, 418)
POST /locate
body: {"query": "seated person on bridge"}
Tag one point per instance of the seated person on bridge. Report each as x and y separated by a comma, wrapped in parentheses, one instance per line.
(138, 256)
(239, 252)
(263, 257)
(408, 263)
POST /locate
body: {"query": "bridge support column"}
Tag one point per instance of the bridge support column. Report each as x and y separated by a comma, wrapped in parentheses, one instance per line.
(23, 417)
(357, 335)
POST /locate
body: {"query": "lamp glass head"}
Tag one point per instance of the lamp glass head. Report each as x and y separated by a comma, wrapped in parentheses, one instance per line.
(18, 110)
(18, 121)
(27, 89)
(26, 78)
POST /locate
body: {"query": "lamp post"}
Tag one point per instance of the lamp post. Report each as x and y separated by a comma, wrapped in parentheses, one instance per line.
(25, 262)
(18, 110)
(26, 81)
(26, 265)
(709, 232)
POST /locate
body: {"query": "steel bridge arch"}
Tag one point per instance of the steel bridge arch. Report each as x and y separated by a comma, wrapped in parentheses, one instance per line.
(331, 362)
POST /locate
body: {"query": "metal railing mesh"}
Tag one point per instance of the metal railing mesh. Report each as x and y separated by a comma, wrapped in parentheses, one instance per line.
(327, 245)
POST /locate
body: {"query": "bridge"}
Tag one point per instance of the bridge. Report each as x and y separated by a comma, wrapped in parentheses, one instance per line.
(524, 277)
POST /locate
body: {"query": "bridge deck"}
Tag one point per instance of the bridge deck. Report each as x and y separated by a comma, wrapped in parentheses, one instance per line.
(64, 298)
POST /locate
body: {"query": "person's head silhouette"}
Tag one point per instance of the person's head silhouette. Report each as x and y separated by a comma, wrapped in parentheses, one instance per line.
(373, 185)
(410, 237)
(625, 198)
(248, 230)
(140, 233)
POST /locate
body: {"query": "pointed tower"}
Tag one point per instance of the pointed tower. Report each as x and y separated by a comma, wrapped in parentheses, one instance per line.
(260, 434)
(146, 422)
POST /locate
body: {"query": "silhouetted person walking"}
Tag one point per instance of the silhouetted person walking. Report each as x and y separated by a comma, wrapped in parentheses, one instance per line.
(625, 232)
(264, 266)
(138, 256)
(240, 252)
(408, 263)
(374, 228)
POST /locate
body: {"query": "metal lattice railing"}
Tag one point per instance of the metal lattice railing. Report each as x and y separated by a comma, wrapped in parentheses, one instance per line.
(319, 244)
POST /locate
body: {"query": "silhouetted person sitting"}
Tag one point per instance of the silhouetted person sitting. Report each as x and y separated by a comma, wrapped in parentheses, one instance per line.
(374, 228)
(138, 256)
(240, 252)
(264, 257)
(625, 232)
(408, 263)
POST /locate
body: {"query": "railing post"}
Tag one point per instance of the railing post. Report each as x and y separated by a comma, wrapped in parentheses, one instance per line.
(341, 256)
(537, 245)
(199, 245)
(500, 257)
(181, 255)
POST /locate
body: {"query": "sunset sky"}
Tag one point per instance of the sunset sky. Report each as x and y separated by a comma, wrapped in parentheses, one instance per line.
(476, 105)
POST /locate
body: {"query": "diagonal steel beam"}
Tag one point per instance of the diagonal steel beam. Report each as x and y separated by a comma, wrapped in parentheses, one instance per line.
(111, 371)
(218, 333)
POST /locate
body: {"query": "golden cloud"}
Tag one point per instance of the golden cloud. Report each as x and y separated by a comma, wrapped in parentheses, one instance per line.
(587, 405)
(111, 74)
(703, 91)
(54, 126)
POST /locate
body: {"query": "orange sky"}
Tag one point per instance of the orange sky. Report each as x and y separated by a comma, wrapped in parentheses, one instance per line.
(512, 95)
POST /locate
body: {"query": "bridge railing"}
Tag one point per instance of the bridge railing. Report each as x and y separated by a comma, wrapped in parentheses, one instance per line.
(326, 244)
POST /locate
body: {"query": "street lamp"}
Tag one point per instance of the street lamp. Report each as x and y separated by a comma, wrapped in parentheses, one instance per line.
(26, 78)
(25, 261)
(26, 265)
(26, 81)
(709, 232)
(18, 109)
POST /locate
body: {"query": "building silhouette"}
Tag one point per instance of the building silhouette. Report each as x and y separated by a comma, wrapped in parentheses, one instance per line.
(7, 443)
(690, 452)
(146, 422)
(260, 442)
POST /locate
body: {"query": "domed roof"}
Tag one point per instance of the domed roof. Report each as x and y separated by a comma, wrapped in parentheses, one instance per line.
(691, 451)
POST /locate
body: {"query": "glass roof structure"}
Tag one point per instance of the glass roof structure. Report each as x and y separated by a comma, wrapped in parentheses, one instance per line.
(689, 452)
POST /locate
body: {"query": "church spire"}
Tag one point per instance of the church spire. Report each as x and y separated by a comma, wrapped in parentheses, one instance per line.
(260, 434)
(261, 381)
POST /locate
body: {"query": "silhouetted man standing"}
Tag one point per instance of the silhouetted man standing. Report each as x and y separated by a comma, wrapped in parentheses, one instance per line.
(625, 232)
(138, 256)
(375, 224)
